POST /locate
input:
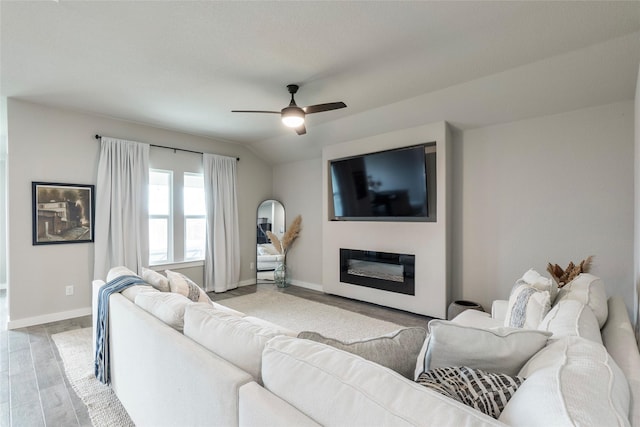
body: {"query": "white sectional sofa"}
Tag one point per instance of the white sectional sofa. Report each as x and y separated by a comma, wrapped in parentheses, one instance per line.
(213, 366)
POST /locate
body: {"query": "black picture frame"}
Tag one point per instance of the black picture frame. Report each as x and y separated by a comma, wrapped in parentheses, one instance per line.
(62, 213)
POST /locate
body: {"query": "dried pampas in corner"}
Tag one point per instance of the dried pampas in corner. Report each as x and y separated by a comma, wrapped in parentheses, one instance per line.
(275, 241)
(293, 232)
(562, 277)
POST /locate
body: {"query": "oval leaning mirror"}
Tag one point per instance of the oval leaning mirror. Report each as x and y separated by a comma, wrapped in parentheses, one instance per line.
(270, 217)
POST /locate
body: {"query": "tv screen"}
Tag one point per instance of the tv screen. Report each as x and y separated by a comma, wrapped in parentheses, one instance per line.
(393, 185)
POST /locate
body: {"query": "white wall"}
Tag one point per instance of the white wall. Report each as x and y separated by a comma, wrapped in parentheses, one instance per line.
(550, 189)
(54, 145)
(636, 258)
(3, 192)
(426, 240)
(298, 186)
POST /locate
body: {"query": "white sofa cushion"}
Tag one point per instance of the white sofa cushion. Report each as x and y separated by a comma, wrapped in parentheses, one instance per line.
(397, 350)
(131, 292)
(166, 306)
(500, 350)
(571, 318)
(181, 284)
(334, 387)
(118, 271)
(589, 290)
(527, 307)
(240, 340)
(156, 280)
(571, 382)
(229, 310)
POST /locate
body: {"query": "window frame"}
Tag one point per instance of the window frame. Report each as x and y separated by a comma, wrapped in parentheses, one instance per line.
(169, 218)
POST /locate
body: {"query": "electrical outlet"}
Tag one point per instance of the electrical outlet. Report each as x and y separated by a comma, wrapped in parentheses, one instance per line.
(69, 290)
(251, 265)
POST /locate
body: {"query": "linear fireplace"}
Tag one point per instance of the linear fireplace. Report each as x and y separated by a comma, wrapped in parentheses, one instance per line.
(379, 270)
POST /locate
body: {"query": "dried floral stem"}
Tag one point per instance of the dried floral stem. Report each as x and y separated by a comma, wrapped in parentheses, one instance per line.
(275, 241)
(293, 232)
(562, 277)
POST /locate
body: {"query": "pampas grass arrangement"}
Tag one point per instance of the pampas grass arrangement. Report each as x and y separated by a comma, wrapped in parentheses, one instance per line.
(293, 232)
(562, 277)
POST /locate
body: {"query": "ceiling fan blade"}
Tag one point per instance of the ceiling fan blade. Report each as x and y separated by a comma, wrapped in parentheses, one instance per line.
(255, 111)
(301, 130)
(318, 108)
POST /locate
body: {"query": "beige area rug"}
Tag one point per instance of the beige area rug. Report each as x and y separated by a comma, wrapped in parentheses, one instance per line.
(299, 314)
(77, 355)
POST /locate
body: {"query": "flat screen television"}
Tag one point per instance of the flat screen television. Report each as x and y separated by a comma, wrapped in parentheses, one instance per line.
(392, 185)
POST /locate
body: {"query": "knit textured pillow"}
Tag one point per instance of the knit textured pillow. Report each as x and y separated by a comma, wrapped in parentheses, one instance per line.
(181, 284)
(484, 391)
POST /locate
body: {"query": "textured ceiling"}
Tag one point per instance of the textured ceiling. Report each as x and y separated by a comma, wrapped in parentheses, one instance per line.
(185, 65)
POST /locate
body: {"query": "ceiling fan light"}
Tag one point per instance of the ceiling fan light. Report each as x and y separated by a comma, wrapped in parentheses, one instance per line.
(293, 117)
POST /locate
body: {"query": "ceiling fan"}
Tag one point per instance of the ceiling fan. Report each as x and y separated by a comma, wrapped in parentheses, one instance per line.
(293, 116)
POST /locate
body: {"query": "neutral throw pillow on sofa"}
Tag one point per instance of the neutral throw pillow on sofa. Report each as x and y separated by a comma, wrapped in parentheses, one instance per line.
(532, 278)
(527, 307)
(571, 318)
(156, 280)
(486, 392)
(166, 306)
(589, 290)
(181, 284)
(499, 350)
(397, 351)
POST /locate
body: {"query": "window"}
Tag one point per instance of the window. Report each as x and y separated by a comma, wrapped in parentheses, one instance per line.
(195, 227)
(160, 218)
(177, 216)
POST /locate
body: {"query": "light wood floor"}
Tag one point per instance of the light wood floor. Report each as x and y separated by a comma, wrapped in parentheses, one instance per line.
(35, 392)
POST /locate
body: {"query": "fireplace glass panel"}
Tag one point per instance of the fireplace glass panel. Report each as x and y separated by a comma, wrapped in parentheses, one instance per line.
(379, 270)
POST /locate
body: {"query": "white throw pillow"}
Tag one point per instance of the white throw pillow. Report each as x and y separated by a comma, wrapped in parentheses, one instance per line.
(119, 271)
(571, 318)
(538, 281)
(166, 306)
(181, 284)
(527, 307)
(156, 280)
(500, 350)
(589, 290)
(571, 382)
(239, 340)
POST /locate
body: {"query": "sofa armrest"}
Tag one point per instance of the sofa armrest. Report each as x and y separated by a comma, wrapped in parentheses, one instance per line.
(259, 407)
(619, 339)
(499, 309)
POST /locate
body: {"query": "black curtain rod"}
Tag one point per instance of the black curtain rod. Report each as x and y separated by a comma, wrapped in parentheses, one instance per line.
(171, 148)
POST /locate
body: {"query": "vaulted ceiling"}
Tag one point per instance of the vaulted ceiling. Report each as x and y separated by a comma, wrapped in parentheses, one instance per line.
(185, 65)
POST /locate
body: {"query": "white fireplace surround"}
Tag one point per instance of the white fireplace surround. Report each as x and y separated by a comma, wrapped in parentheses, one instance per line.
(429, 241)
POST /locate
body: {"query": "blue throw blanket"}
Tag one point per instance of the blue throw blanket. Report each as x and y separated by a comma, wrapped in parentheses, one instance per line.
(102, 357)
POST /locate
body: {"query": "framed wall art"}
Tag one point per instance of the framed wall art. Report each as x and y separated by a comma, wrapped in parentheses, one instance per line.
(62, 213)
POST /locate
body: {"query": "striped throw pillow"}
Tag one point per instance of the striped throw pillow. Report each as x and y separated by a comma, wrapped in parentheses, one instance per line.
(487, 392)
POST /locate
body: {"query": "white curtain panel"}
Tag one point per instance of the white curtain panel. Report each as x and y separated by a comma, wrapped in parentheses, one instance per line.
(122, 212)
(222, 256)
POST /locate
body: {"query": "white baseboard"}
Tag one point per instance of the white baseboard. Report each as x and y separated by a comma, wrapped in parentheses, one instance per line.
(247, 282)
(47, 318)
(313, 286)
